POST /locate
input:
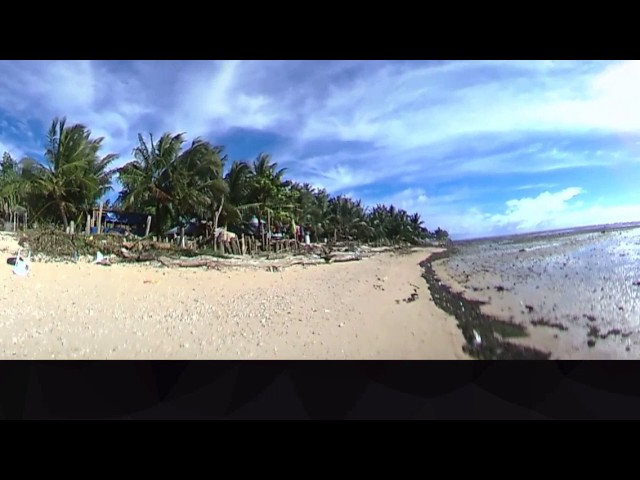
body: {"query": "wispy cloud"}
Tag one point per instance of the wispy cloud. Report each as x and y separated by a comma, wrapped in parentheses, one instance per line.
(356, 126)
(537, 186)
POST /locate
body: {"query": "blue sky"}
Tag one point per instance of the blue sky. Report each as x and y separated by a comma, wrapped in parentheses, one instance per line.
(477, 147)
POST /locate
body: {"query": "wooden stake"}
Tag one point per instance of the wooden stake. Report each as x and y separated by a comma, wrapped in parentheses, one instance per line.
(87, 227)
(100, 215)
(146, 232)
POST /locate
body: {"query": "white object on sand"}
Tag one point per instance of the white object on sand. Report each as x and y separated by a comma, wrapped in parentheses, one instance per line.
(22, 265)
(99, 258)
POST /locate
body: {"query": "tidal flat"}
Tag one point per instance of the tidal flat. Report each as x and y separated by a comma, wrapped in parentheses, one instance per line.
(575, 293)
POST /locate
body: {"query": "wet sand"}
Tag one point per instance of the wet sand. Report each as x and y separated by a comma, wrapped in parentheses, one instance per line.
(574, 293)
(377, 308)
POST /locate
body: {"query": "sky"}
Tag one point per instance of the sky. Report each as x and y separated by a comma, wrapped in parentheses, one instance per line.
(479, 148)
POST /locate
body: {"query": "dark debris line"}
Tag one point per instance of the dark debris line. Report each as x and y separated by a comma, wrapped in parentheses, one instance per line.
(493, 332)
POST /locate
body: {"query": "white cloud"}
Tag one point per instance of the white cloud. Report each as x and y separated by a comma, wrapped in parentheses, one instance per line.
(339, 178)
(531, 213)
(212, 98)
(536, 186)
(419, 106)
(82, 91)
(426, 114)
(549, 210)
(611, 102)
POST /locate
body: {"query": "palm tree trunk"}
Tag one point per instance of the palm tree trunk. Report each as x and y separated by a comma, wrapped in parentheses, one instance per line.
(261, 228)
(269, 226)
(63, 214)
(216, 216)
(158, 223)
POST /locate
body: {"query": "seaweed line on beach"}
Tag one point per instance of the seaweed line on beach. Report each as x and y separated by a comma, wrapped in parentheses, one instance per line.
(492, 331)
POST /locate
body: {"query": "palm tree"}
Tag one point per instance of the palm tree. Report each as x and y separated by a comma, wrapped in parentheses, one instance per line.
(321, 213)
(378, 220)
(417, 225)
(146, 180)
(267, 188)
(173, 184)
(12, 186)
(73, 173)
(197, 184)
(239, 184)
(348, 218)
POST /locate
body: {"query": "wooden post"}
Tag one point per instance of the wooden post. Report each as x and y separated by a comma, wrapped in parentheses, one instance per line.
(15, 222)
(181, 237)
(242, 245)
(268, 230)
(100, 215)
(25, 220)
(72, 227)
(146, 232)
(87, 227)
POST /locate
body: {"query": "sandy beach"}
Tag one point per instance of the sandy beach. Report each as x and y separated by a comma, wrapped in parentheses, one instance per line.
(377, 308)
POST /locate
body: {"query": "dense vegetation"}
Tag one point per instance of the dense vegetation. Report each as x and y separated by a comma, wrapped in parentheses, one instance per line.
(176, 181)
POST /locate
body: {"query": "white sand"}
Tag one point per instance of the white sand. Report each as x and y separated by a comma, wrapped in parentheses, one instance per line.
(338, 311)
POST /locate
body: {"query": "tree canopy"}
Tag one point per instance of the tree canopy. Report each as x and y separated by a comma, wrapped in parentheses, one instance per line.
(176, 181)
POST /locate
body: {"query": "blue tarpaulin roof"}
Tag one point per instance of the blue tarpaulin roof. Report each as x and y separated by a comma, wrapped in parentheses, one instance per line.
(126, 218)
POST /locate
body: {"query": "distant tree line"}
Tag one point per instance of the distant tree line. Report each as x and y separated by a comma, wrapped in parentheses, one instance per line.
(176, 181)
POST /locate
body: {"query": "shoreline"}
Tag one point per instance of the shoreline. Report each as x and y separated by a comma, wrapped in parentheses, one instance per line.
(494, 334)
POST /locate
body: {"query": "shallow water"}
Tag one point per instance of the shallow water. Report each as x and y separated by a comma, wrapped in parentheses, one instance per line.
(582, 282)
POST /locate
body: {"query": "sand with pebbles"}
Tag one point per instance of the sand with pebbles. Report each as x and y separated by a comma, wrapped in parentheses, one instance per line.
(355, 310)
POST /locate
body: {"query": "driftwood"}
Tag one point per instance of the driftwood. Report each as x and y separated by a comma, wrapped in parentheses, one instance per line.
(217, 263)
(142, 256)
(337, 257)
